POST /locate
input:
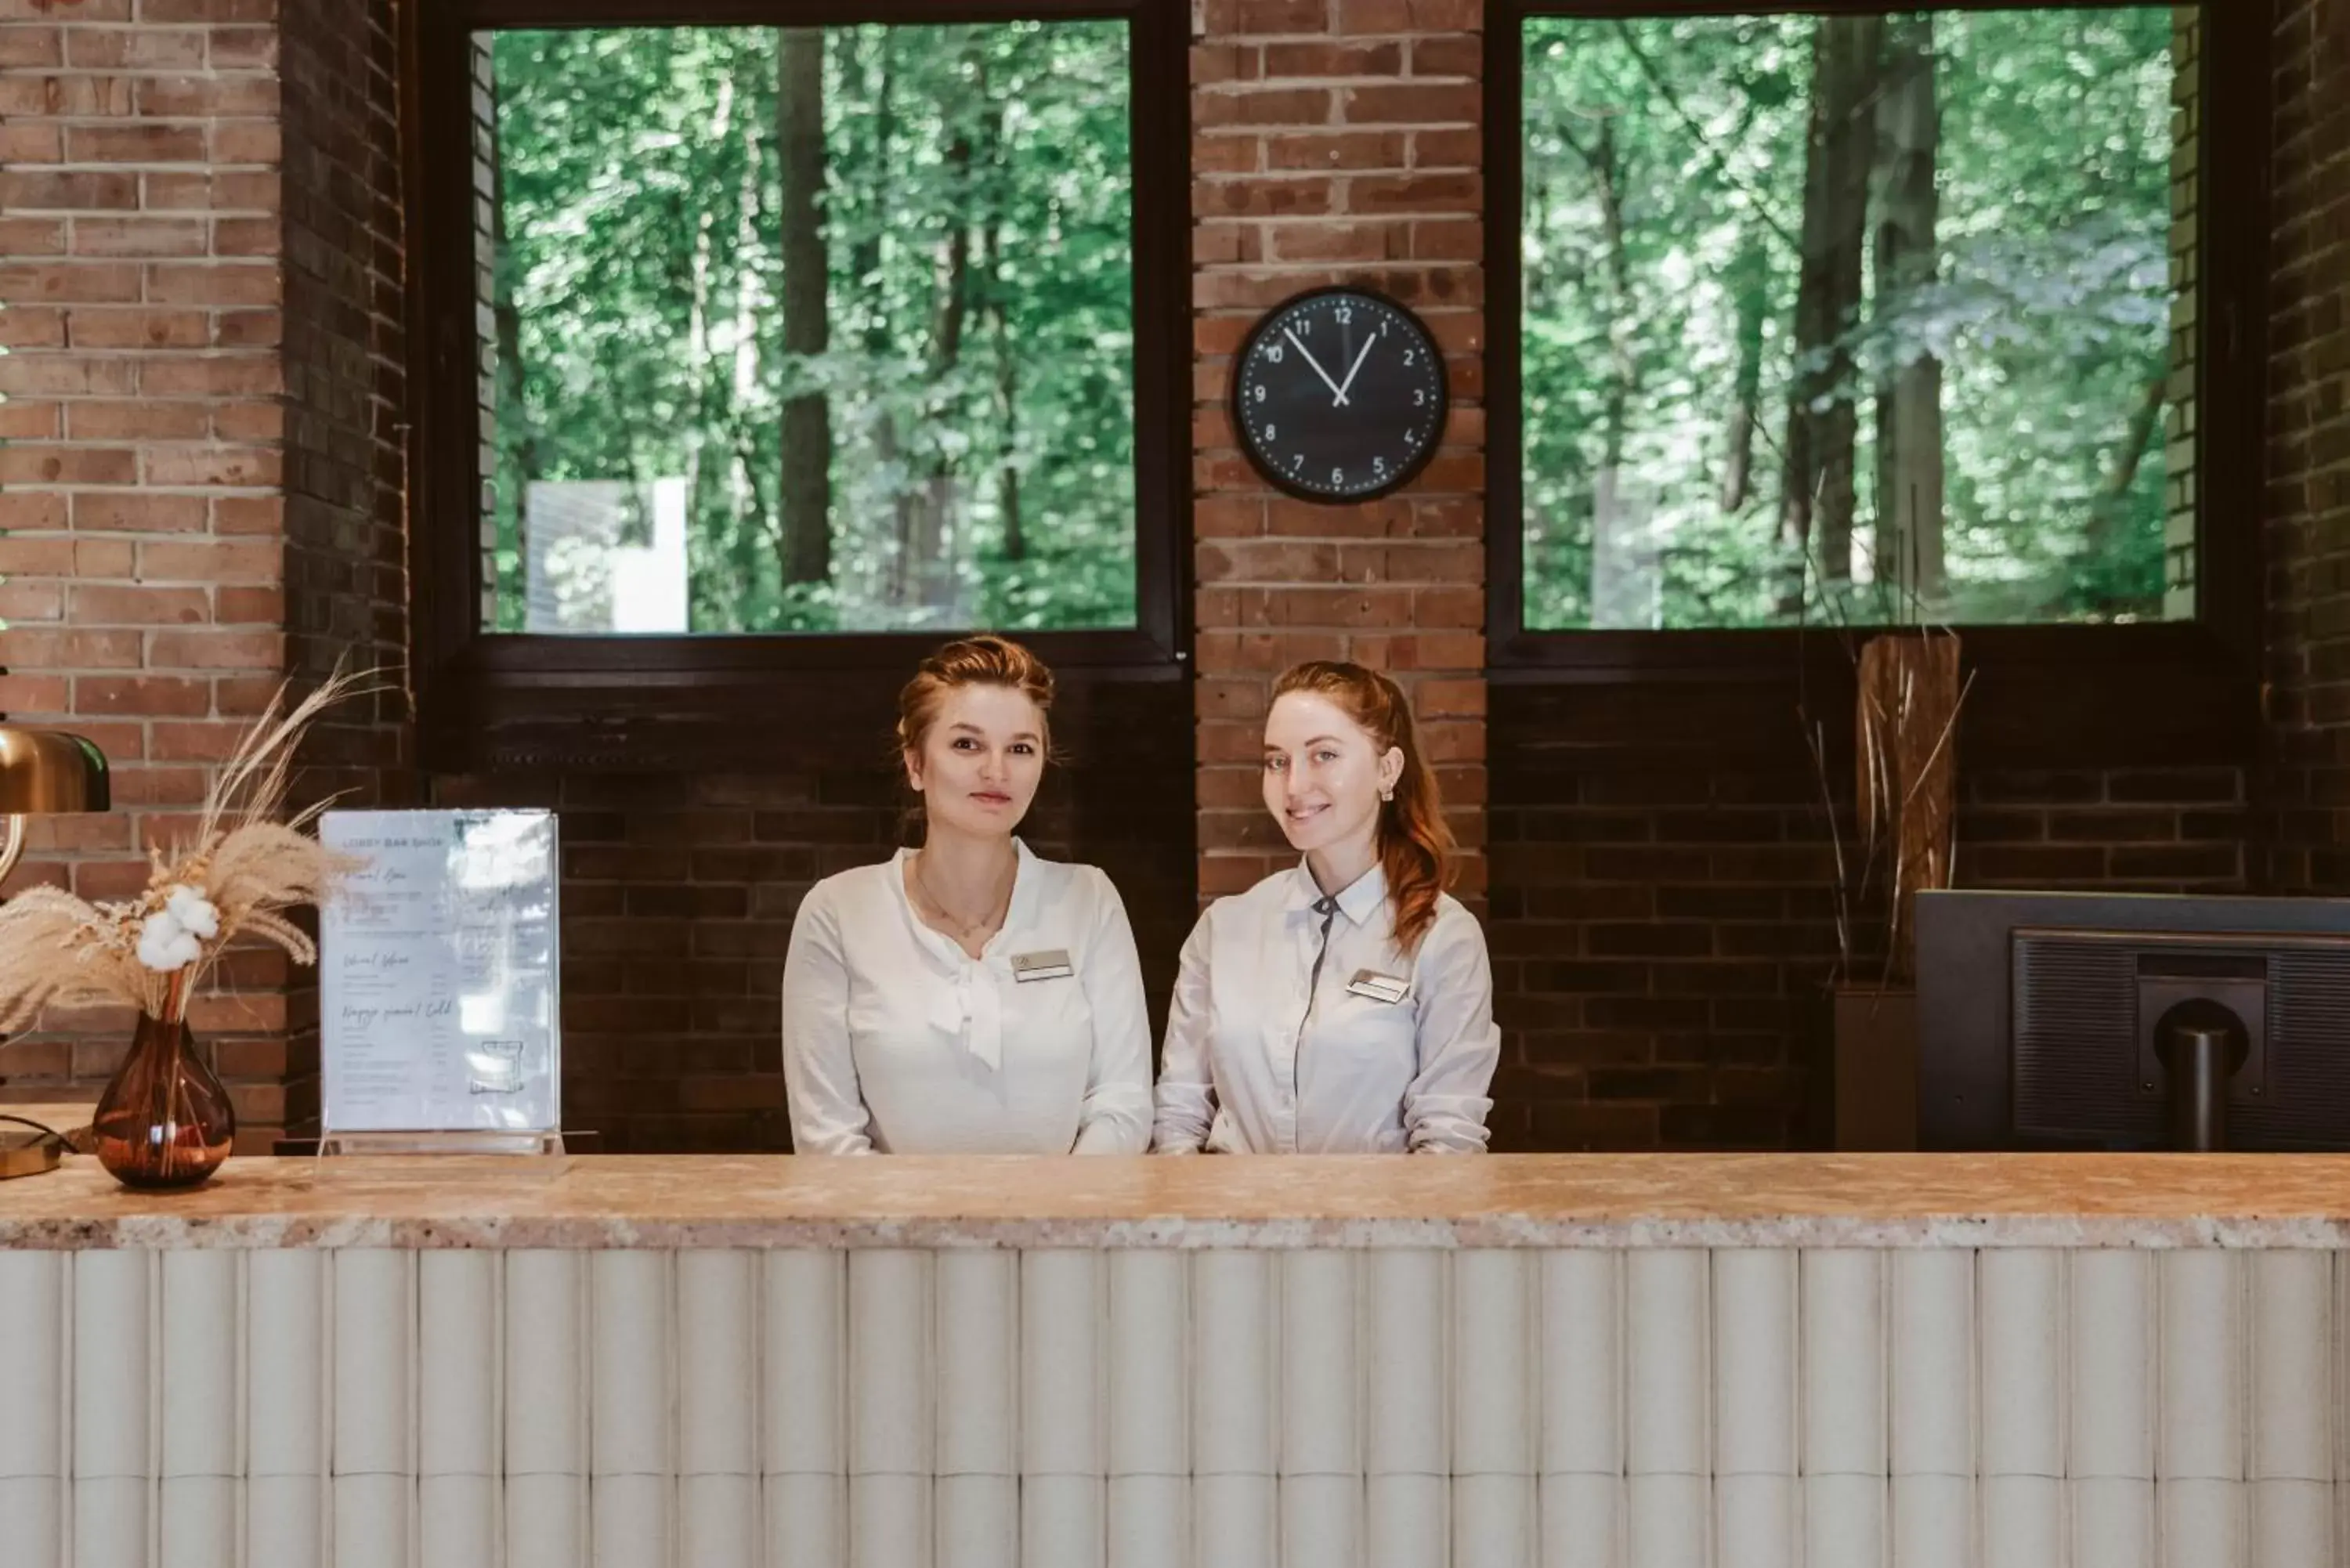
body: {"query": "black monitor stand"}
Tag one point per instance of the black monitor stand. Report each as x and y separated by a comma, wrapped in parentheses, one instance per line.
(2201, 1045)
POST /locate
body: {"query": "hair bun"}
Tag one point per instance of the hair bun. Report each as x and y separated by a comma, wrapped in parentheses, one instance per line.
(985, 660)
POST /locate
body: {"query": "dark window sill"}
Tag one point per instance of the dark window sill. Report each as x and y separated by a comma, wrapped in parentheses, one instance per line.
(2039, 697)
(646, 659)
(661, 703)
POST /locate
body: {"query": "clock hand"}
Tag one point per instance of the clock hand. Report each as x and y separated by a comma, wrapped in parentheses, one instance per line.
(1360, 356)
(1336, 391)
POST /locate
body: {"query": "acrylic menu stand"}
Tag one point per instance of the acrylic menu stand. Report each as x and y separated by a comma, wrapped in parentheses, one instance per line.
(439, 989)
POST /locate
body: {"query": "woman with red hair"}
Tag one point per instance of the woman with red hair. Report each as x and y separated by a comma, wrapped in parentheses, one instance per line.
(1345, 1005)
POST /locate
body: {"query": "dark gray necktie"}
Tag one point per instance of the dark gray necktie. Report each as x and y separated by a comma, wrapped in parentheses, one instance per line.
(1327, 908)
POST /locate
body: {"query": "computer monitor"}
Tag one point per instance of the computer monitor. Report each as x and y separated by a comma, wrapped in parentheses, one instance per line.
(2132, 1020)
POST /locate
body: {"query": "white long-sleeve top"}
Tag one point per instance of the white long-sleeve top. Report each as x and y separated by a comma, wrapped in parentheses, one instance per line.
(898, 1042)
(1268, 1053)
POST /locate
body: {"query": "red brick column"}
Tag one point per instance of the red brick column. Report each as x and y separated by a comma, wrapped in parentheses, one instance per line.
(345, 354)
(1336, 141)
(142, 474)
(203, 441)
(2308, 522)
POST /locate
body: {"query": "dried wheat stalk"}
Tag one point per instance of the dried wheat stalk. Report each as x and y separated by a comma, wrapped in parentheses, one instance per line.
(244, 867)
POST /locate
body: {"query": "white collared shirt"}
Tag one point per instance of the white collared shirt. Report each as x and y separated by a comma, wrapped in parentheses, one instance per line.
(1267, 1056)
(898, 1042)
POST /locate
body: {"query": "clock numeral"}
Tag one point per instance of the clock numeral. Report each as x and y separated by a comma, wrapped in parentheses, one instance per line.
(1296, 459)
(1270, 432)
(1346, 314)
(1338, 476)
(1419, 397)
(1305, 324)
(1257, 391)
(1383, 326)
(1379, 466)
(1272, 353)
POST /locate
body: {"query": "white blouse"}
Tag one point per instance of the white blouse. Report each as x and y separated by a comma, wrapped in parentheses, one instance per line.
(898, 1042)
(1269, 1051)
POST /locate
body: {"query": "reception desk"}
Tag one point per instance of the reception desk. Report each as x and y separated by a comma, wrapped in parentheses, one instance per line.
(1621, 1362)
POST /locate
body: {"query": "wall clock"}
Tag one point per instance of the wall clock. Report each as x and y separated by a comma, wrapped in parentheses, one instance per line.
(1338, 394)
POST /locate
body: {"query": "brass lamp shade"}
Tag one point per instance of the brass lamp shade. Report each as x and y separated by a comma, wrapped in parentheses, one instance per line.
(49, 770)
(46, 772)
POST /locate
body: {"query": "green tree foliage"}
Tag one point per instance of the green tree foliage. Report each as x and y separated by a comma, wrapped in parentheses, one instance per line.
(1665, 203)
(977, 368)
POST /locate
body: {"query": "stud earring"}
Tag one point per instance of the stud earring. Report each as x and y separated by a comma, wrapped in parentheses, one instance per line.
(1386, 794)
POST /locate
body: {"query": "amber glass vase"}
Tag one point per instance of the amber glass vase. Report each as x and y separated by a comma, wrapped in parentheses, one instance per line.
(164, 1120)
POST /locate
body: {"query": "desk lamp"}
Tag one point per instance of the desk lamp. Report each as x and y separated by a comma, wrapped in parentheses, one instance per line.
(41, 773)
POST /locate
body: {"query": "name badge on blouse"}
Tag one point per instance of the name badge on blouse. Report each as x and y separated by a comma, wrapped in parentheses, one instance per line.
(1051, 964)
(1377, 986)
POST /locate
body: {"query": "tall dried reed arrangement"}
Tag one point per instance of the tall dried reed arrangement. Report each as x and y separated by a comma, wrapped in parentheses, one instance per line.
(1905, 775)
(1904, 724)
(242, 873)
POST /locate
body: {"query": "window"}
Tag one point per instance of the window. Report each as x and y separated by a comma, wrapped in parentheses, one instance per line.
(773, 343)
(816, 329)
(1849, 319)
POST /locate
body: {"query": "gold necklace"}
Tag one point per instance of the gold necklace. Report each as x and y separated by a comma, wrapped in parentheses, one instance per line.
(994, 914)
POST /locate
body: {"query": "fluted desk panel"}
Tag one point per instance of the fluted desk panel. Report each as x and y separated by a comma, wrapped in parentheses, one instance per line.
(1620, 1362)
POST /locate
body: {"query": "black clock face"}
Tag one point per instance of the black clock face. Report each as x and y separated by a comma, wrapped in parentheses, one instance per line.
(1339, 395)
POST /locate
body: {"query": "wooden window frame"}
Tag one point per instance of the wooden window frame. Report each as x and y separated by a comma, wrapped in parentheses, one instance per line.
(489, 699)
(2179, 692)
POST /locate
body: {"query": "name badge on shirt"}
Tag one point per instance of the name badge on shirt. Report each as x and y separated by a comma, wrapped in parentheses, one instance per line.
(1050, 964)
(1378, 987)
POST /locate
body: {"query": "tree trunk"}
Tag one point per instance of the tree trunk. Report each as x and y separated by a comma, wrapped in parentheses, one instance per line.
(935, 542)
(725, 573)
(1908, 395)
(2112, 498)
(1750, 273)
(1007, 362)
(712, 384)
(926, 526)
(1816, 499)
(1623, 558)
(510, 421)
(805, 484)
(1007, 402)
(865, 259)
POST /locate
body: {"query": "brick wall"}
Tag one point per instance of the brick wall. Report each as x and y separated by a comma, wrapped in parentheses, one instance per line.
(2179, 525)
(1660, 917)
(679, 892)
(201, 210)
(177, 536)
(1336, 141)
(141, 484)
(1663, 927)
(2308, 510)
(1661, 923)
(344, 354)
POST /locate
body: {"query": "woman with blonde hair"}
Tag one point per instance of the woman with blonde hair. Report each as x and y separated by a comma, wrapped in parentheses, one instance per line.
(967, 997)
(1345, 1005)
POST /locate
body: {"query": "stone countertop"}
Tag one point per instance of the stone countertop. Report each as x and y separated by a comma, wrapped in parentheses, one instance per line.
(1527, 1201)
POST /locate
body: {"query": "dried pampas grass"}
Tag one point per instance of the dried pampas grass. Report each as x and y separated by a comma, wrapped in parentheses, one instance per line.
(250, 868)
